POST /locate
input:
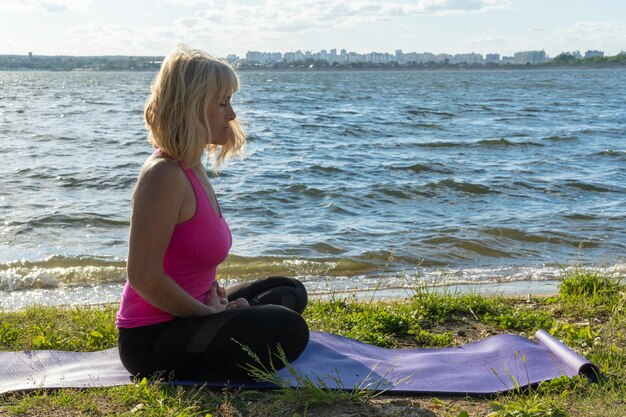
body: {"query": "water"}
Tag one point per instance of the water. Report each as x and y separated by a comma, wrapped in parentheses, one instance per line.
(351, 180)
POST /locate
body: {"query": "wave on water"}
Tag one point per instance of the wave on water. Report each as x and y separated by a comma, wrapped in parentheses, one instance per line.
(353, 279)
(96, 183)
(541, 237)
(385, 268)
(323, 170)
(581, 217)
(61, 271)
(465, 248)
(559, 138)
(353, 131)
(85, 219)
(612, 153)
(463, 186)
(532, 110)
(428, 126)
(419, 168)
(504, 143)
(587, 187)
(430, 112)
(256, 267)
(482, 143)
(384, 193)
(58, 271)
(303, 189)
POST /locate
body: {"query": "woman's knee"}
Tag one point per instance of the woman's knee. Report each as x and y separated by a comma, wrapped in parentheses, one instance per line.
(268, 330)
(288, 292)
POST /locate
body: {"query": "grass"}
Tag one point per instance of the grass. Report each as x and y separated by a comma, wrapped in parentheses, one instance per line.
(308, 394)
(589, 314)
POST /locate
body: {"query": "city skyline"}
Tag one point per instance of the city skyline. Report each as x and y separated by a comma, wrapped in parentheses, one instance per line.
(400, 56)
(142, 27)
(320, 59)
(325, 54)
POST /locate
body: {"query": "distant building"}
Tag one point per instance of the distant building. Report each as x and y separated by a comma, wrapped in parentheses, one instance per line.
(508, 60)
(400, 56)
(254, 56)
(343, 57)
(289, 57)
(353, 57)
(529, 57)
(263, 58)
(377, 58)
(593, 54)
(428, 57)
(417, 58)
(492, 59)
(471, 59)
(333, 56)
(443, 59)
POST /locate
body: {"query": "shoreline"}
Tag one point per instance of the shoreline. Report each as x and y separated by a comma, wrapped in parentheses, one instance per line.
(434, 67)
(71, 284)
(514, 289)
(106, 294)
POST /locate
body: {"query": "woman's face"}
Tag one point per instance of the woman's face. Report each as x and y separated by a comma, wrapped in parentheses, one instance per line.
(220, 113)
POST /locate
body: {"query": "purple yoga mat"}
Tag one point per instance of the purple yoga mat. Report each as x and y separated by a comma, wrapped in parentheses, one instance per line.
(497, 364)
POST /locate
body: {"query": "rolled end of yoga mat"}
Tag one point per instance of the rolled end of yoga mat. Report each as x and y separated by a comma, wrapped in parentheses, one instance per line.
(578, 364)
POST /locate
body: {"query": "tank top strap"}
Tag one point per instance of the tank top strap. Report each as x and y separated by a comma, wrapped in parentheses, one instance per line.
(201, 195)
(195, 183)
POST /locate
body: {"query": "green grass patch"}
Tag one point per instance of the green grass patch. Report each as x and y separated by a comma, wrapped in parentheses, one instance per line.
(588, 292)
(142, 398)
(382, 324)
(77, 329)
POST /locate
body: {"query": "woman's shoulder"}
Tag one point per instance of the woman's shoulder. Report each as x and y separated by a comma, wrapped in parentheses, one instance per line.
(161, 172)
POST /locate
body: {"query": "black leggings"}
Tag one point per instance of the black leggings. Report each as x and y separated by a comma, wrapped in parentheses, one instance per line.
(209, 348)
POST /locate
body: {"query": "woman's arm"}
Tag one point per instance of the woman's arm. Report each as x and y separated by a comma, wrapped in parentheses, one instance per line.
(156, 208)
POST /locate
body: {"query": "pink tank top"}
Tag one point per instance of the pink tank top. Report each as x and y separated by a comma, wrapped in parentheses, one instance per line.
(196, 248)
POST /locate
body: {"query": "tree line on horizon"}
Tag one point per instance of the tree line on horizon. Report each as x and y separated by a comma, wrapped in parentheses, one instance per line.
(73, 63)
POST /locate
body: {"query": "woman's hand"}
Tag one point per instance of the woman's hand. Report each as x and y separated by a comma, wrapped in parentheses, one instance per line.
(218, 302)
(221, 292)
(238, 303)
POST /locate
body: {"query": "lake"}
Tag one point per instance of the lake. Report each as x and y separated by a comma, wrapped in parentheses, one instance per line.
(374, 181)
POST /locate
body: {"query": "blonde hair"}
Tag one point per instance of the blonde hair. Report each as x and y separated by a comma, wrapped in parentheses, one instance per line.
(175, 113)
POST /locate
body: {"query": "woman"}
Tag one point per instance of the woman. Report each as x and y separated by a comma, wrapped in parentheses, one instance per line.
(175, 320)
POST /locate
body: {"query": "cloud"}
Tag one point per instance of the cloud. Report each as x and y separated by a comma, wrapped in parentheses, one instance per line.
(607, 36)
(226, 26)
(187, 3)
(110, 39)
(504, 45)
(589, 35)
(460, 6)
(43, 5)
(271, 19)
(584, 30)
(302, 14)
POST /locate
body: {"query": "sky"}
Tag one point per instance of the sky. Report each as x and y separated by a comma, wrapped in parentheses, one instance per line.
(222, 27)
